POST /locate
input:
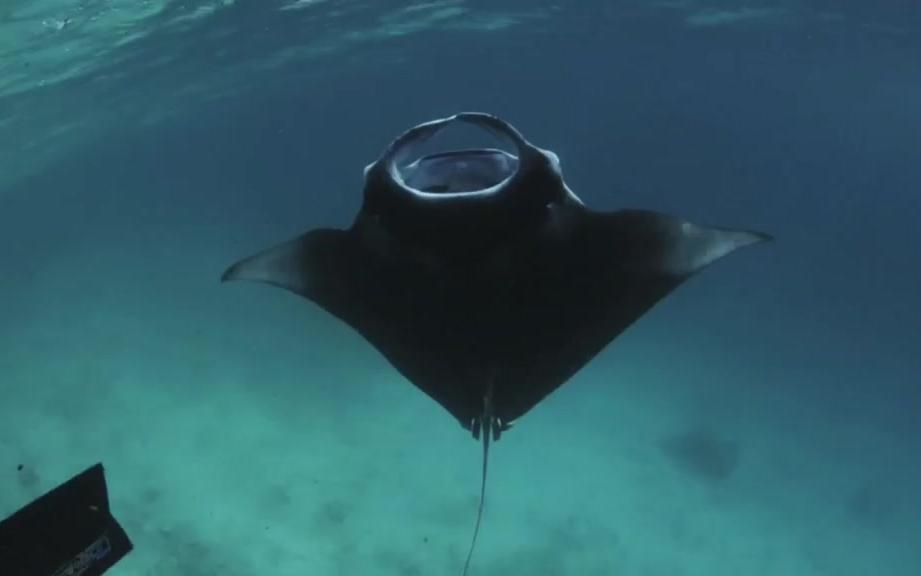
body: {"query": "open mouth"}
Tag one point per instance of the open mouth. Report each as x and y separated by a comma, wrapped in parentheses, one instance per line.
(458, 171)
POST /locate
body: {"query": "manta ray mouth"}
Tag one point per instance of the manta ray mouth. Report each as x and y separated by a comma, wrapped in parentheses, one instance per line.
(456, 175)
(468, 172)
(445, 193)
(460, 204)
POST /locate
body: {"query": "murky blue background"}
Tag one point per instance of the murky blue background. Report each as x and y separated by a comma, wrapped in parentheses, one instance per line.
(762, 420)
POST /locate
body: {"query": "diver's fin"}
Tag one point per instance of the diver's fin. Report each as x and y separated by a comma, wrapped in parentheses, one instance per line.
(69, 530)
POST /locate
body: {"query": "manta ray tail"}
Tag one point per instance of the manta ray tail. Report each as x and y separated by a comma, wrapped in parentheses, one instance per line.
(479, 513)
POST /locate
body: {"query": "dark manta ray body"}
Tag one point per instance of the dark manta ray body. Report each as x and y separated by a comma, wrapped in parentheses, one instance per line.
(482, 277)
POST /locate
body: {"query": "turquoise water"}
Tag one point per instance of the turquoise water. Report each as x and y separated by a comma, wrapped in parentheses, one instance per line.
(762, 420)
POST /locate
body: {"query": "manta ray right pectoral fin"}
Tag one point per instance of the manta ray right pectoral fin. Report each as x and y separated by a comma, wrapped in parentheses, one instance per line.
(310, 265)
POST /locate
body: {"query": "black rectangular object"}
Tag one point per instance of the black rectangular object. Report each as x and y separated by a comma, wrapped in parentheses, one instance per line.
(67, 532)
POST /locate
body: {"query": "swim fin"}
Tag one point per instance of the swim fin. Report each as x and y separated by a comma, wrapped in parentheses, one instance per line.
(66, 532)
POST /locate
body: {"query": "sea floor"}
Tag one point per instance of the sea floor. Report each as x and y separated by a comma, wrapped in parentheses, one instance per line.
(245, 432)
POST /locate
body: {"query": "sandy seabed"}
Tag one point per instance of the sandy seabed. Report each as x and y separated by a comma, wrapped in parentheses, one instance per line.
(244, 431)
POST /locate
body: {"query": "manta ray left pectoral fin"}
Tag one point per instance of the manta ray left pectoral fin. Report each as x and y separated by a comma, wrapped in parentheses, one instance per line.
(698, 246)
(595, 274)
(674, 246)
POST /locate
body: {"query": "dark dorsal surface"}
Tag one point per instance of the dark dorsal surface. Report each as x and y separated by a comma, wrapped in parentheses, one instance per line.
(497, 274)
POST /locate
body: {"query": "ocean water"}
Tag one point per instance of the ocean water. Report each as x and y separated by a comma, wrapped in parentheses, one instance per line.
(762, 420)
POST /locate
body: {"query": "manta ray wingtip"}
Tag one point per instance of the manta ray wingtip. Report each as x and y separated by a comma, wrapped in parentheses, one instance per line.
(754, 236)
(744, 237)
(231, 273)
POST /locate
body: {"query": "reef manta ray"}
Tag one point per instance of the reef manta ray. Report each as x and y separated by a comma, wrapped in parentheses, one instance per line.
(482, 278)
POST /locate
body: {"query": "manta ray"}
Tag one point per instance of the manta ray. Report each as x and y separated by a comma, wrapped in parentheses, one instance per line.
(482, 278)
